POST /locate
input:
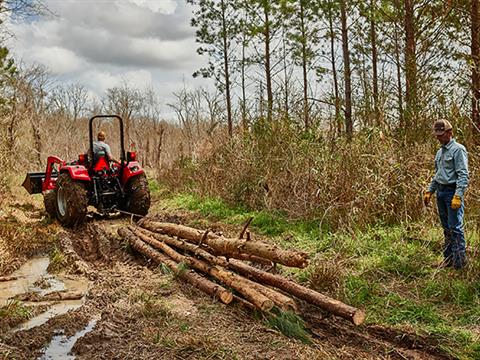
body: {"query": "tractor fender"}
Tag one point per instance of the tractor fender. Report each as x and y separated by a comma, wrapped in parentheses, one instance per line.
(77, 172)
(132, 169)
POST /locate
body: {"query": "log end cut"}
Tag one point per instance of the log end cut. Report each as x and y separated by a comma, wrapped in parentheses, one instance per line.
(225, 297)
(358, 317)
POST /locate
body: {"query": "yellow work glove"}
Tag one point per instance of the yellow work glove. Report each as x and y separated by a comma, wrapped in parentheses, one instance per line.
(426, 197)
(456, 202)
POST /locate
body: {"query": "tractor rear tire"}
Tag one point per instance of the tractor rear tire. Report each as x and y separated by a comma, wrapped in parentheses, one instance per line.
(138, 196)
(50, 200)
(71, 201)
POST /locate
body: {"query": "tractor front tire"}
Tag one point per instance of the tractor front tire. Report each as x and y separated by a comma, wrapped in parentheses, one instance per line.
(49, 200)
(138, 196)
(71, 201)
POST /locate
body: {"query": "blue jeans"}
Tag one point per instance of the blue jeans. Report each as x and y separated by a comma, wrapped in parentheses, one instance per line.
(452, 223)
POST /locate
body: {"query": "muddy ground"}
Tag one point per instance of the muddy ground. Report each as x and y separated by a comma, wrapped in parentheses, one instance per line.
(130, 309)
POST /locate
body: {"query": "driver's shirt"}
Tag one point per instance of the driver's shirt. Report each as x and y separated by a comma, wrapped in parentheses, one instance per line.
(101, 148)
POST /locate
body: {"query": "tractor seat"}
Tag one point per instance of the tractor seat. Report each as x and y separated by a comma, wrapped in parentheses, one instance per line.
(101, 164)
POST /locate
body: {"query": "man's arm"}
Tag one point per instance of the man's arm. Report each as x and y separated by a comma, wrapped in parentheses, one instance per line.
(461, 168)
(109, 154)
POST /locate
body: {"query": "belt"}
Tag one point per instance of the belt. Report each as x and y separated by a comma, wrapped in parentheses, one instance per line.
(447, 186)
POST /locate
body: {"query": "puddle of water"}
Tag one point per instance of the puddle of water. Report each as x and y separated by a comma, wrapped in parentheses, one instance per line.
(27, 275)
(60, 346)
(55, 310)
(33, 277)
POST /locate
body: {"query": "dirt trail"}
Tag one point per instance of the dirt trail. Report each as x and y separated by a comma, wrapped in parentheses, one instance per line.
(133, 311)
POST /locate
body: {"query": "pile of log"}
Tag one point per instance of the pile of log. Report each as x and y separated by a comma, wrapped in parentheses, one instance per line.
(217, 266)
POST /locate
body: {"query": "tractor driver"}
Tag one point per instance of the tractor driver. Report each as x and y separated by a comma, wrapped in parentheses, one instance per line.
(101, 148)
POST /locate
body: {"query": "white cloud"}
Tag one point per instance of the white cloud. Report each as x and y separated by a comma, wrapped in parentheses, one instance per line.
(160, 6)
(57, 59)
(101, 44)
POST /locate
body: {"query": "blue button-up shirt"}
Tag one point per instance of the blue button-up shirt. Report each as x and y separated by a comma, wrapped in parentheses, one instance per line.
(451, 167)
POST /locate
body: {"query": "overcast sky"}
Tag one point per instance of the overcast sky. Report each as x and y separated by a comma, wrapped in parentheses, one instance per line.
(148, 43)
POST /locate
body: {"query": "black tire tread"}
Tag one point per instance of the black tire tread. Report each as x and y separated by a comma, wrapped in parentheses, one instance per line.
(50, 201)
(76, 199)
(138, 196)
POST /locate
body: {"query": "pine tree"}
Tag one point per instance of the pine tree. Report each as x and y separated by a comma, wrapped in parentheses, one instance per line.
(217, 26)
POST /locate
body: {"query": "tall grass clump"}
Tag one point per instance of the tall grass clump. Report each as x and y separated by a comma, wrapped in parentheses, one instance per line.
(372, 179)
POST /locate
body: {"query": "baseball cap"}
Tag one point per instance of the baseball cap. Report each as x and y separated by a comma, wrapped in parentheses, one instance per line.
(440, 126)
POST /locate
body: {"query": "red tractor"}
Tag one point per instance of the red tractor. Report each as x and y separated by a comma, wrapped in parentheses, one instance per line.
(68, 188)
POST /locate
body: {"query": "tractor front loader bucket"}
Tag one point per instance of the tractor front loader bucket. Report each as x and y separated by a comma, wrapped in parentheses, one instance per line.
(33, 182)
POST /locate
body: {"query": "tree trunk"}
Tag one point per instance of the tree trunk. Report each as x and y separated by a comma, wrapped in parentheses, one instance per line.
(346, 71)
(306, 116)
(189, 276)
(268, 70)
(244, 86)
(331, 305)
(286, 77)
(398, 66)
(230, 247)
(227, 71)
(338, 119)
(475, 53)
(373, 42)
(410, 71)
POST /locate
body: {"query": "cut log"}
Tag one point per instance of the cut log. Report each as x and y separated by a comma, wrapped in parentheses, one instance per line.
(189, 276)
(246, 257)
(230, 247)
(244, 303)
(150, 237)
(235, 281)
(333, 306)
(282, 301)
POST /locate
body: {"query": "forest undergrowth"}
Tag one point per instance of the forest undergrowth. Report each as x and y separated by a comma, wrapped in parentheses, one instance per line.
(357, 209)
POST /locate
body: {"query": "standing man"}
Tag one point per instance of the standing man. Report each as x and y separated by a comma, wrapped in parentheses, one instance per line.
(450, 182)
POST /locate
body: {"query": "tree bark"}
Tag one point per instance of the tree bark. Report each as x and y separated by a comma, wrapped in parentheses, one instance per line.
(230, 247)
(189, 276)
(268, 70)
(373, 42)
(303, 30)
(338, 119)
(333, 306)
(475, 53)
(346, 71)
(410, 70)
(226, 70)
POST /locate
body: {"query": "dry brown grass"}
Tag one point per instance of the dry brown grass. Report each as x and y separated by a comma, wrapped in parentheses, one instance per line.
(373, 179)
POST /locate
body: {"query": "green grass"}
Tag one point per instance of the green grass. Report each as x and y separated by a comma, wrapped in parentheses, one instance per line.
(297, 234)
(16, 310)
(289, 324)
(387, 270)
